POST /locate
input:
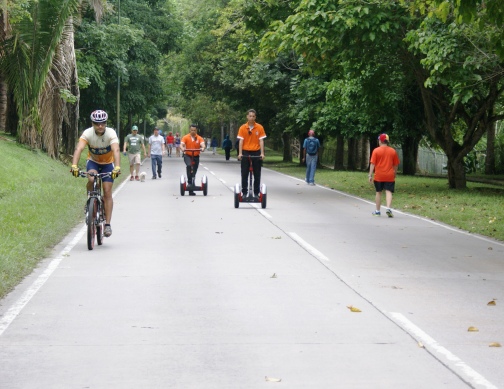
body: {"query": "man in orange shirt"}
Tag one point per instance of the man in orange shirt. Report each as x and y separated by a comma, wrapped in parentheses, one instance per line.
(384, 163)
(191, 145)
(251, 136)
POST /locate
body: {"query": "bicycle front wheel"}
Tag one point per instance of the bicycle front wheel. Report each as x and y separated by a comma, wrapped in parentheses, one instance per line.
(100, 225)
(91, 222)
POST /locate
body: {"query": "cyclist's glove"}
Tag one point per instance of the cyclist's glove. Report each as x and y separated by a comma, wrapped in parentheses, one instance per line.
(116, 172)
(75, 171)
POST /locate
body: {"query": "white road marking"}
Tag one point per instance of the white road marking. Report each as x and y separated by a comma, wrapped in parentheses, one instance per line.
(17, 307)
(312, 250)
(454, 362)
(264, 213)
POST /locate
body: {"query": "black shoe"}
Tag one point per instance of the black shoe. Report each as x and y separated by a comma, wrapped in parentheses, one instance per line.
(192, 194)
(154, 177)
(159, 174)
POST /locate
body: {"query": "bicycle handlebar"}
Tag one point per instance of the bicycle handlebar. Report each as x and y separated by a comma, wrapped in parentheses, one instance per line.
(101, 175)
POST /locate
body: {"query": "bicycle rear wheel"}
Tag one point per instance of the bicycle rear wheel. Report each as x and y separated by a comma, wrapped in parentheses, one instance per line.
(91, 222)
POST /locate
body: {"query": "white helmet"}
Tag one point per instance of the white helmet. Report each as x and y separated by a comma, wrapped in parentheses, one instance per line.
(99, 116)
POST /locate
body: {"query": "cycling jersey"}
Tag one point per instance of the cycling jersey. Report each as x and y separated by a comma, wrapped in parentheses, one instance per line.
(100, 150)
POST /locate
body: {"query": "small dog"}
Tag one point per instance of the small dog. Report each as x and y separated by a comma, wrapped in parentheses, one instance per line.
(142, 176)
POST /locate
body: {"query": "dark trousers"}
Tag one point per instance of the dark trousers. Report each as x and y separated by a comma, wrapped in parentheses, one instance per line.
(227, 150)
(256, 168)
(195, 163)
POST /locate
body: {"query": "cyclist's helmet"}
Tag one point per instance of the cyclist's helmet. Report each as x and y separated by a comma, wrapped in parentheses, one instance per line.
(99, 116)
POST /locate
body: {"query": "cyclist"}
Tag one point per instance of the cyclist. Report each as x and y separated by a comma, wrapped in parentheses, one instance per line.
(103, 157)
(192, 141)
(251, 137)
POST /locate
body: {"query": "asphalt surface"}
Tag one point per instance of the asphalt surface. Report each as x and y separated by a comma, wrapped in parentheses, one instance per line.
(190, 292)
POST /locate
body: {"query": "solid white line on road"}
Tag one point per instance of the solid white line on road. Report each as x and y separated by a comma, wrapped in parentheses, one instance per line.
(17, 307)
(312, 250)
(452, 361)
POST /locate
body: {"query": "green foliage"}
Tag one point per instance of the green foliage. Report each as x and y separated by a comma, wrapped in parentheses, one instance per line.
(27, 57)
(131, 49)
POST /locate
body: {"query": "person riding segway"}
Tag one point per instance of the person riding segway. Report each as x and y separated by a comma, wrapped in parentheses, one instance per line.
(251, 137)
(191, 145)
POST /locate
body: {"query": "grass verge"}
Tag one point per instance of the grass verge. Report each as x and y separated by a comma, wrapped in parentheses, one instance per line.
(40, 202)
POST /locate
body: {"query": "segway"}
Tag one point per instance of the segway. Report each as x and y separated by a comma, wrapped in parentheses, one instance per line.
(191, 186)
(249, 197)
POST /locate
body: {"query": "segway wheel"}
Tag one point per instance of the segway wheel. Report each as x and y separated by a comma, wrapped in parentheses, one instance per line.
(264, 196)
(237, 192)
(182, 185)
(204, 185)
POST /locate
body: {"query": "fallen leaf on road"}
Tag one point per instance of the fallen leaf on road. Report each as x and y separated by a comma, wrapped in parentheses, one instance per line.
(274, 275)
(353, 309)
(271, 379)
(494, 344)
(492, 302)
(420, 344)
(472, 329)
(276, 237)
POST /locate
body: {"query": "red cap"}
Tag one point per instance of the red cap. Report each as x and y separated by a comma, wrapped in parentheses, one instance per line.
(383, 137)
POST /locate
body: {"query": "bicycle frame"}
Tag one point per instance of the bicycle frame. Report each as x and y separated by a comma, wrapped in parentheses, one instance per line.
(95, 215)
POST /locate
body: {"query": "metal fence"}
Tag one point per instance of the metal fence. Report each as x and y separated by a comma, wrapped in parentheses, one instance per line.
(428, 161)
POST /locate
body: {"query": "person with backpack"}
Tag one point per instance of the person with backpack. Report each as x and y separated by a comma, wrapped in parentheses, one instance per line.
(311, 147)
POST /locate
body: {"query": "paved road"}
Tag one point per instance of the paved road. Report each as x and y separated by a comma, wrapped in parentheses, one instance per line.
(192, 293)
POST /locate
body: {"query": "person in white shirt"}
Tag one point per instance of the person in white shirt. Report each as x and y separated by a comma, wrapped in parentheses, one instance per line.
(156, 152)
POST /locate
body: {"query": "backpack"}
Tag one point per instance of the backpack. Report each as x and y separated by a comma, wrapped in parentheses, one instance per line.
(311, 146)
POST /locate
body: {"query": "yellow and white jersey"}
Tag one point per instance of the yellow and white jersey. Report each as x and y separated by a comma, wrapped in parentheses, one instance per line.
(99, 146)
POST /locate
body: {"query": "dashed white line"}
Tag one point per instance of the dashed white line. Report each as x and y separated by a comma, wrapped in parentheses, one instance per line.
(312, 250)
(455, 363)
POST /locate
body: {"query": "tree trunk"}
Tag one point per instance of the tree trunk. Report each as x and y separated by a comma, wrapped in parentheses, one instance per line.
(456, 173)
(286, 138)
(410, 155)
(490, 150)
(364, 149)
(339, 160)
(352, 149)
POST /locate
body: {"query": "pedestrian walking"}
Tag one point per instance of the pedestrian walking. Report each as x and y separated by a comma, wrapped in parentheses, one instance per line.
(177, 144)
(170, 142)
(156, 151)
(227, 145)
(384, 164)
(213, 144)
(311, 147)
(134, 143)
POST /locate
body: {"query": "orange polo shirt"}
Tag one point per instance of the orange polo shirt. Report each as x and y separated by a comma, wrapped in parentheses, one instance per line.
(191, 143)
(251, 137)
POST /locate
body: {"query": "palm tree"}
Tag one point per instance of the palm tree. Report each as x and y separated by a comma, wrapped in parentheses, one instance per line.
(38, 63)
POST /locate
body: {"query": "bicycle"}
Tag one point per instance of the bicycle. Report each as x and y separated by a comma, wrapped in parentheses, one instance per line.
(95, 210)
(191, 186)
(249, 197)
